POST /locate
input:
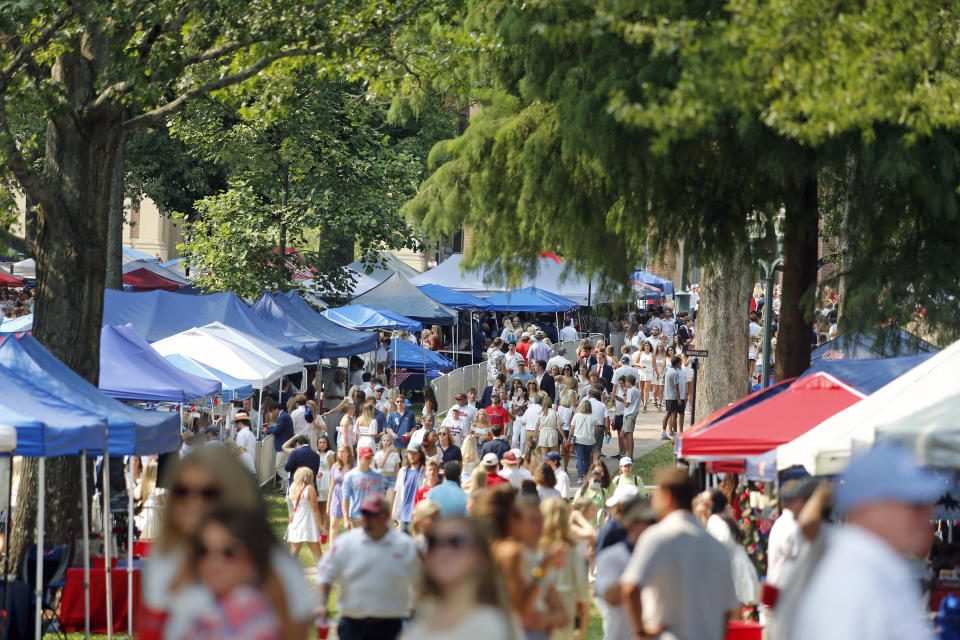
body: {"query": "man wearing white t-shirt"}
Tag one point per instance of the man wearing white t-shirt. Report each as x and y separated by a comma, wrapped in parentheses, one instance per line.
(755, 327)
(632, 402)
(512, 472)
(245, 437)
(526, 425)
(569, 333)
(457, 423)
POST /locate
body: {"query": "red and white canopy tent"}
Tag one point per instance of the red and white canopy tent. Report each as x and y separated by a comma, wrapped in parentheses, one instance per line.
(7, 280)
(769, 423)
(147, 280)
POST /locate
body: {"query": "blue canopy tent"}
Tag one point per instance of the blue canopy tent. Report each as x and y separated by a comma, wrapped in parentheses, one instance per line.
(130, 369)
(885, 342)
(454, 299)
(14, 325)
(231, 388)
(645, 277)
(398, 295)
(530, 299)
(358, 316)
(288, 312)
(867, 375)
(410, 356)
(133, 254)
(160, 314)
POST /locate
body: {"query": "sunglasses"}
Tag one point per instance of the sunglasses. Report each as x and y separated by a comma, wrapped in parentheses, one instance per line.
(456, 542)
(207, 494)
(227, 553)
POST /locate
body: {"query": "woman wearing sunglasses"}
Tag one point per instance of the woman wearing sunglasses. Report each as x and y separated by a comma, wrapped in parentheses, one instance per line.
(206, 480)
(462, 593)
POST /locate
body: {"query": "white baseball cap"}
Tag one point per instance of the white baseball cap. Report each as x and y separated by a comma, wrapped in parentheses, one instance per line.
(490, 460)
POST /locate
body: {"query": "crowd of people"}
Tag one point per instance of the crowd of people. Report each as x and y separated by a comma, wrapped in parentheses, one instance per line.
(15, 303)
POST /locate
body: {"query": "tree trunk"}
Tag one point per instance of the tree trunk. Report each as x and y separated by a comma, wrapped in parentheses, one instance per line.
(858, 195)
(799, 277)
(29, 219)
(114, 279)
(722, 329)
(81, 149)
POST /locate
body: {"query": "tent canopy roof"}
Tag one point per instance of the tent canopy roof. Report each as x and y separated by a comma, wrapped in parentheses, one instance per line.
(399, 296)
(146, 280)
(771, 423)
(293, 316)
(884, 342)
(154, 268)
(412, 356)
(530, 299)
(826, 448)
(358, 316)
(130, 369)
(132, 431)
(388, 263)
(232, 389)
(645, 277)
(452, 298)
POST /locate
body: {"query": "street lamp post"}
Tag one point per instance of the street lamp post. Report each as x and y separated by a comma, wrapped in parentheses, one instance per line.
(769, 268)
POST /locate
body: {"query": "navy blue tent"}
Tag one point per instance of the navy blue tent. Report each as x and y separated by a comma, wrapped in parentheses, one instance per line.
(886, 342)
(398, 295)
(452, 298)
(411, 356)
(358, 316)
(132, 431)
(160, 314)
(290, 313)
(530, 299)
(666, 286)
(867, 375)
(130, 369)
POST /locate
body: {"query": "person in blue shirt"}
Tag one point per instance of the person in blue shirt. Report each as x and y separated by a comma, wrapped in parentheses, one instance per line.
(299, 454)
(401, 422)
(358, 484)
(282, 430)
(448, 495)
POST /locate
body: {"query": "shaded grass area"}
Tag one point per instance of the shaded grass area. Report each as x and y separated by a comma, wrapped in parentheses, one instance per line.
(647, 464)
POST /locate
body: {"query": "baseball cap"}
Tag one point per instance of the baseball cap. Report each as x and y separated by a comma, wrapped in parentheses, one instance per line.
(373, 505)
(623, 493)
(624, 358)
(494, 395)
(887, 472)
(460, 396)
(525, 334)
(539, 335)
(414, 446)
(625, 460)
(490, 460)
(364, 451)
(552, 455)
(510, 457)
(379, 387)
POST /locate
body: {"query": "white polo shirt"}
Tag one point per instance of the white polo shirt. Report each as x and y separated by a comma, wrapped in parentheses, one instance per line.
(376, 577)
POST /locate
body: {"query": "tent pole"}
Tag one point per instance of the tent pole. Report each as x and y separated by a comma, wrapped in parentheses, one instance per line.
(471, 337)
(130, 548)
(38, 593)
(260, 413)
(86, 544)
(107, 536)
(4, 629)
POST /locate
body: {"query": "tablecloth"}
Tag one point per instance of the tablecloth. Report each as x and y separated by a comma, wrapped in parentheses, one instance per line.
(744, 631)
(72, 603)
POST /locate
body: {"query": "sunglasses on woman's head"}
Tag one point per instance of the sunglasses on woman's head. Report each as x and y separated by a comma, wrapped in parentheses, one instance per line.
(208, 493)
(456, 541)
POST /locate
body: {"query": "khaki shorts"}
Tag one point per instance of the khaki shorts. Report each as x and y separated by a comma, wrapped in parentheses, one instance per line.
(629, 422)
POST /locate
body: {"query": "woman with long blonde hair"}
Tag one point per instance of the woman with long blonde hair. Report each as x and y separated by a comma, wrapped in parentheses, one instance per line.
(304, 525)
(367, 425)
(570, 577)
(149, 497)
(470, 453)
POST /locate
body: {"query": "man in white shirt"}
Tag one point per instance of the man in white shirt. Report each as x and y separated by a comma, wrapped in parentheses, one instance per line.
(419, 434)
(457, 423)
(610, 565)
(625, 369)
(668, 325)
(601, 417)
(654, 337)
(678, 579)
(512, 359)
(569, 333)
(380, 399)
(755, 327)
(786, 541)
(558, 360)
(555, 460)
(863, 585)
(384, 354)
(245, 437)
(377, 568)
(674, 393)
(526, 425)
(252, 415)
(303, 420)
(512, 472)
(632, 401)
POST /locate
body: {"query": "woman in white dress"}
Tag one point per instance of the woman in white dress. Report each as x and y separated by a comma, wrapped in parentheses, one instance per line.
(367, 425)
(388, 461)
(327, 458)
(149, 499)
(347, 429)
(461, 595)
(659, 370)
(304, 526)
(644, 362)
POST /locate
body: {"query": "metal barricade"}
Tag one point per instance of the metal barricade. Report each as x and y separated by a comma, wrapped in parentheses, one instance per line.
(617, 339)
(266, 460)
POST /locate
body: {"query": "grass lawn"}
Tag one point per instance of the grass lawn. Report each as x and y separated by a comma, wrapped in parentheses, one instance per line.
(647, 464)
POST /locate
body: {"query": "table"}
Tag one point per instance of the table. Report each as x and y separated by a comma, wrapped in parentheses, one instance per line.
(744, 631)
(71, 607)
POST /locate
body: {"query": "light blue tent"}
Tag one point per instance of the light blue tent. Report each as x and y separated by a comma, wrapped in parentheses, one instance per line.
(358, 316)
(231, 388)
(530, 299)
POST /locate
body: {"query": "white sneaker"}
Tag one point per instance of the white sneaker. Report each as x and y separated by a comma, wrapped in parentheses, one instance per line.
(664, 436)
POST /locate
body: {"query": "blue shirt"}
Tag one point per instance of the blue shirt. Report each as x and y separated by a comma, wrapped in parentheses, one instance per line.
(357, 485)
(401, 424)
(451, 499)
(303, 457)
(381, 419)
(283, 430)
(408, 493)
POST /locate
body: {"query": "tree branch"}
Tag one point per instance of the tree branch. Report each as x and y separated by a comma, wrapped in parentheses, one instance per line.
(178, 103)
(26, 51)
(160, 29)
(30, 180)
(14, 241)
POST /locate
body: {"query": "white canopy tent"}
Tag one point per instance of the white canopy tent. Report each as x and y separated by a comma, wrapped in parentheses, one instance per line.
(933, 433)
(25, 269)
(235, 353)
(153, 267)
(826, 449)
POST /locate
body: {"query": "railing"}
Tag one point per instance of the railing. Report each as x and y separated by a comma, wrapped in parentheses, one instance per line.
(447, 386)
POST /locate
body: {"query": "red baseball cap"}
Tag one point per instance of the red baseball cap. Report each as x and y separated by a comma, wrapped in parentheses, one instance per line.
(364, 452)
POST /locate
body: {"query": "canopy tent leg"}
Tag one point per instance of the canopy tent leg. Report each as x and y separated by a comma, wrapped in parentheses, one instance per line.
(471, 338)
(107, 536)
(86, 544)
(260, 413)
(38, 593)
(456, 343)
(4, 630)
(130, 548)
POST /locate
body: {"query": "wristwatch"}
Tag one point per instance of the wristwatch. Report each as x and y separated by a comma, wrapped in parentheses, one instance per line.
(537, 574)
